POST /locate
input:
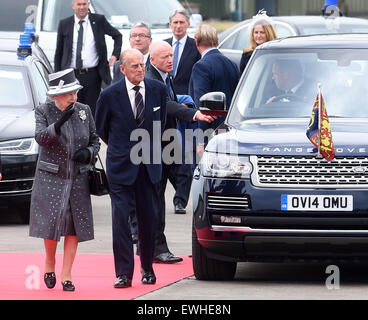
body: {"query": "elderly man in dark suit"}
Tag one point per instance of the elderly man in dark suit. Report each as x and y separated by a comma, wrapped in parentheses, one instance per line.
(161, 64)
(133, 106)
(185, 56)
(214, 72)
(81, 45)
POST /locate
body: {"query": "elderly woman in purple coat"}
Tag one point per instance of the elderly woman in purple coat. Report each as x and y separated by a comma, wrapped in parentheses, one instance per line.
(61, 203)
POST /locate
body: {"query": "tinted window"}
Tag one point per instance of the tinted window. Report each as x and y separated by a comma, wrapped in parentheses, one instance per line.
(121, 14)
(14, 87)
(14, 13)
(238, 40)
(283, 84)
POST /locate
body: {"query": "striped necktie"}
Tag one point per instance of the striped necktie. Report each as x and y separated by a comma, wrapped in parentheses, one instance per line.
(139, 106)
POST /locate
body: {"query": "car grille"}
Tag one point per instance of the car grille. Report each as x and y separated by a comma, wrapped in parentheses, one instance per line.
(227, 202)
(17, 177)
(291, 171)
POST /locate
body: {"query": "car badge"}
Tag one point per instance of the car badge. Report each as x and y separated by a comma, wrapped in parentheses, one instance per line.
(360, 170)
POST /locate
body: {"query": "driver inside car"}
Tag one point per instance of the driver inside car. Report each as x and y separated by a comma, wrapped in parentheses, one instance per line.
(288, 78)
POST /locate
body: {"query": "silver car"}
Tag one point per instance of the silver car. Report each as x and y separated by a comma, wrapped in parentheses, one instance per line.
(236, 38)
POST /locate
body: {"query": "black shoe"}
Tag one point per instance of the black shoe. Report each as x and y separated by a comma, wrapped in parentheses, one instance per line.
(166, 257)
(179, 209)
(123, 282)
(68, 285)
(148, 277)
(50, 279)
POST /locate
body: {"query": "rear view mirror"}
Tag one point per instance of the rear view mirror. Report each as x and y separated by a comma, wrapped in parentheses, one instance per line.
(213, 104)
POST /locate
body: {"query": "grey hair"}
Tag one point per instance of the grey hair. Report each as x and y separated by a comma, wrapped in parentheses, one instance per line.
(141, 24)
(180, 11)
(126, 53)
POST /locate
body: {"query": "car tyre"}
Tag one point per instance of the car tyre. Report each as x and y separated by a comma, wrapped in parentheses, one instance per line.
(209, 269)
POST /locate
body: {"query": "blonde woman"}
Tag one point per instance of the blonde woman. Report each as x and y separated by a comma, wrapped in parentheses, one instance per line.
(262, 32)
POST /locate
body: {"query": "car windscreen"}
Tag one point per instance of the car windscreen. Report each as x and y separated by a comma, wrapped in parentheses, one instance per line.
(15, 13)
(14, 87)
(284, 84)
(123, 14)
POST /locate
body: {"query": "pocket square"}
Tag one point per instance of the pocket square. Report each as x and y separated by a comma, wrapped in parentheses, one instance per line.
(156, 108)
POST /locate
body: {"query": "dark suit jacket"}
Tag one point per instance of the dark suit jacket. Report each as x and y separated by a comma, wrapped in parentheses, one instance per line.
(188, 58)
(214, 72)
(115, 122)
(100, 27)
(174, 110)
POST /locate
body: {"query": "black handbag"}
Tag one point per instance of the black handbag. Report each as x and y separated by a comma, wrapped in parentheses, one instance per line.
(98, 184)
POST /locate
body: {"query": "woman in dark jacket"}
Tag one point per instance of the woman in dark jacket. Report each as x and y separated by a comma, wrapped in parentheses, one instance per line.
(61, 203)
(261, 32)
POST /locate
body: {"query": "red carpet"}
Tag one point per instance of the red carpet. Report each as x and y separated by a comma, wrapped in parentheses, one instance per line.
(21, 278)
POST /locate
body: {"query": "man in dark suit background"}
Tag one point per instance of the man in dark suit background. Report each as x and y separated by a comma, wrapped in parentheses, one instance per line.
(186, 56)
(214, 72)
(81, 45)
(139, 38)
(161, 64)
(125, 108)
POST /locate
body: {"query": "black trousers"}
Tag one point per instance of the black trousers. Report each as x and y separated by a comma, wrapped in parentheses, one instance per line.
(168, 174)
(146, 205)
(91, 81)
(183, 183)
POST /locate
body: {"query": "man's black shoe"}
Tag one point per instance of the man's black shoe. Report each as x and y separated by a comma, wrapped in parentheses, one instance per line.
(166, 257)
(123, 282)
(179, 209)
(148, 277)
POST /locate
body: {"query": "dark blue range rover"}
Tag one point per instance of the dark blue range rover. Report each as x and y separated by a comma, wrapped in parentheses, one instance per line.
(260, 192)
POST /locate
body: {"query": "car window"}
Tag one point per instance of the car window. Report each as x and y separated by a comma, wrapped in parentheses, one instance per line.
(14, 87)
(284, 84)
(39, 75)
(121, 14)
(15, 13)
(283, 30)
(237, 40)
(240, 39)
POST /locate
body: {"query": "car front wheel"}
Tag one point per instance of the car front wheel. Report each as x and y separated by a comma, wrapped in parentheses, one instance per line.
(209, 269)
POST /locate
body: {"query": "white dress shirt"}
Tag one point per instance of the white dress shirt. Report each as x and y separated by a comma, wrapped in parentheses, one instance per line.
(131, 93)
(89, 52)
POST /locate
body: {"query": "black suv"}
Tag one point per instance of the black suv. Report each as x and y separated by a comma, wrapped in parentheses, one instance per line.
(261, 192)
(23, 86)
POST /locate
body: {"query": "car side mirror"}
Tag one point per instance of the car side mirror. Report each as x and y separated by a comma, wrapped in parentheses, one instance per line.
(213, 104)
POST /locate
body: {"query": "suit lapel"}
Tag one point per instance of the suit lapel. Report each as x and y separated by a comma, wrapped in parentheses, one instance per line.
(92, 22)
(186, 52)
(148, 109)
(124, 102)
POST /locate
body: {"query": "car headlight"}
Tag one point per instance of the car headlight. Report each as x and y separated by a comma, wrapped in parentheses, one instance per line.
(19, 146)
(225, 165)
